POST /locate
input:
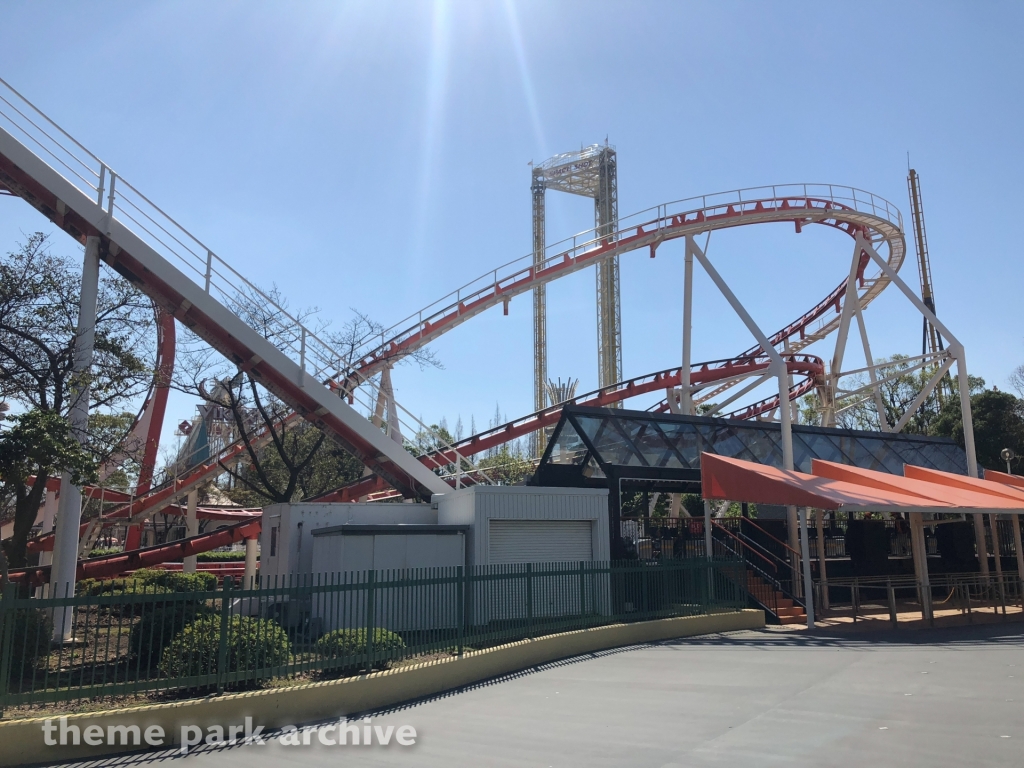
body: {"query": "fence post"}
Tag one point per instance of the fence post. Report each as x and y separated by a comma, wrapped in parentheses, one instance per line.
(583, 590)
(6, 641)
(893, 617)
(371, 580)
(529, 600)
(460, 608)
(643, 589)
(855, 598)
(222, 650)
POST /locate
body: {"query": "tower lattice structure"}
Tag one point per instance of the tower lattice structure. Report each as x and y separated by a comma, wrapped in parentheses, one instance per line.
(591, 172)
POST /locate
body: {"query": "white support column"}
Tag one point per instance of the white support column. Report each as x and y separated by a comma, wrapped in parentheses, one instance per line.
(49, 514)
(956, 349)
(188, 564)
(869, 361)
(63, 575)
(686, 394)
(251, 553)
(851, 304)
(819, 526)
(805, 555)
(708, 542)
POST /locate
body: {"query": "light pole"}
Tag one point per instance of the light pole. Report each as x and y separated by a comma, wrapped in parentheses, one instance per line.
(1008, 455)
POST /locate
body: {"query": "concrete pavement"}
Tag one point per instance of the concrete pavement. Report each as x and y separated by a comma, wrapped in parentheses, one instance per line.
(948, 697)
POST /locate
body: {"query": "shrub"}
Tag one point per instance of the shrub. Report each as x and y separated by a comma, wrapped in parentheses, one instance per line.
(253, 644)
(139, 591)
(175, 581)
(221, 557)
(158, 624)
(31, 640)
(351, 643)
(104, 551)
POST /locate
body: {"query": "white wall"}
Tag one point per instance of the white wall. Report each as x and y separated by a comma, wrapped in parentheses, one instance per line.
(397, 607)
(336, 552)
(295, 523)
(477, 505)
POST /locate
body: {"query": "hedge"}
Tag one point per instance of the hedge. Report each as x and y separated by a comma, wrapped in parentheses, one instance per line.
(351, 644)
(253, 644)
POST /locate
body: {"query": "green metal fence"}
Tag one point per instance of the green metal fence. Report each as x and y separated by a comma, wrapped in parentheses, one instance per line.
(134, 641)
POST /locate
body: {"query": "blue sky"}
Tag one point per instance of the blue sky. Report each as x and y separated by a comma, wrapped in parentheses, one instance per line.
(374, 155)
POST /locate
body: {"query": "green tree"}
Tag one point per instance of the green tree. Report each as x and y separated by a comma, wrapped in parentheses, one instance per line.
(38, 443)
(508, 466)
(39, 297)
(296, 462)
(900, 382)
(998, 423)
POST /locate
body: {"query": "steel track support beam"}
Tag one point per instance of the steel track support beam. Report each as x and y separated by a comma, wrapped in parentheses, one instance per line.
(734, 397)
(883, 421)
(69, 509)
(778, 368)
(956, 349)
(850, 303)
(923, 395)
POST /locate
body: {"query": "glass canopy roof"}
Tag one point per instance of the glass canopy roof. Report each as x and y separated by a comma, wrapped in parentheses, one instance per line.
(593, 444)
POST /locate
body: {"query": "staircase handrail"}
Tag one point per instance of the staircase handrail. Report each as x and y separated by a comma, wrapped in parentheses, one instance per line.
(770, 536)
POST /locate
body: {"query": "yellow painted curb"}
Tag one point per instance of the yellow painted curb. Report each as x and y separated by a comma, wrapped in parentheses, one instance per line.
(21, 741)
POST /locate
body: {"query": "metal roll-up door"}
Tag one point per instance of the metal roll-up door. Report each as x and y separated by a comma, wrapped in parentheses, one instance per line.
(540, 541)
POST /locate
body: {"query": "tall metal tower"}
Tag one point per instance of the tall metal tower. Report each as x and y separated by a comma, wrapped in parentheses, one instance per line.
(591, 172)
(931, 341)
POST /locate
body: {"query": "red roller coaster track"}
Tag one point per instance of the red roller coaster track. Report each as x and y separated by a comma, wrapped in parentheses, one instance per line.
(159, 256)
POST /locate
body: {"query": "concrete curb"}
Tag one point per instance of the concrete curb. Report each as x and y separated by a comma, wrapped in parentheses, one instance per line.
(21, 741)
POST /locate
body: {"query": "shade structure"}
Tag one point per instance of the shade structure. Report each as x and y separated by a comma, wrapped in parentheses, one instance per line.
(1002, 478)
(959, 490)
(737, 480)
(992, 486)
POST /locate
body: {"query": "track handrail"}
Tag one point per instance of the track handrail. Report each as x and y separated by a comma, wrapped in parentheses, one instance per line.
(817, 203)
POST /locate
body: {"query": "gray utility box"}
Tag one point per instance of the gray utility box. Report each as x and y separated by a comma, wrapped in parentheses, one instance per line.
(527, 524)
(429, 555)
(533, 552)
(355, 547)
(286, 543)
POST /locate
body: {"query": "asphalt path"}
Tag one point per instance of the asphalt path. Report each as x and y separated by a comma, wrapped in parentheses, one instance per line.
(951, 697)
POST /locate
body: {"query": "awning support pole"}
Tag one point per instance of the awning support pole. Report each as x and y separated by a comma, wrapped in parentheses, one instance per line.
(805, 552)
(188, 564)
(708, 551)
(819, 526)
(1018, 548)
(920, 552)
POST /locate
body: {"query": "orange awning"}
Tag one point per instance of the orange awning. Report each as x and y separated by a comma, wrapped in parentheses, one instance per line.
(959, 490)
(737, 480)
(1001, 478)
